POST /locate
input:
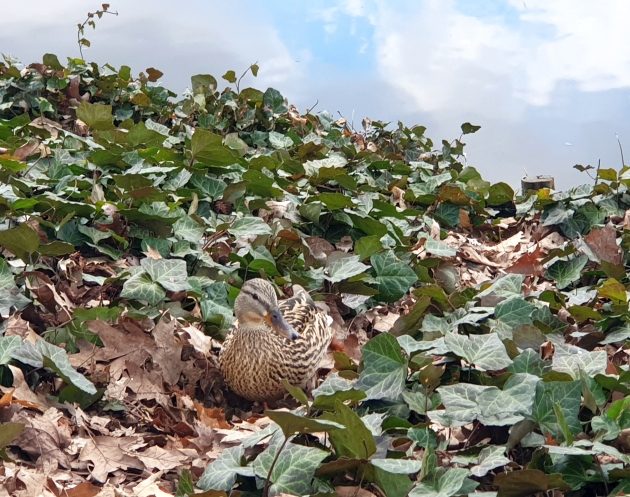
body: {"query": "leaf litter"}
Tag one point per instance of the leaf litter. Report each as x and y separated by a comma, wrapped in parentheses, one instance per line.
(480, 336)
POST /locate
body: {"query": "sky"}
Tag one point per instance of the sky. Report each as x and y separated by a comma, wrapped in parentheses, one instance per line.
(548, 81)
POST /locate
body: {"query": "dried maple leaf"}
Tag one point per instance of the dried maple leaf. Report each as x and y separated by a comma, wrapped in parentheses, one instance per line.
(109, 454)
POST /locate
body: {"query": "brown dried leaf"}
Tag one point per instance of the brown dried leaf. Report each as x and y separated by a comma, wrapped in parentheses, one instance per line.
(603, 242)
(213, 417)
(109, 454)
(84, 489)
(528, 263)
(26, 150)
(158, 458)
(168, 352)
(45, 436)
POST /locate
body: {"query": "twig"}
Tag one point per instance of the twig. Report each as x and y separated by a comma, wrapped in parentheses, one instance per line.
(599, 164)
(623, 162)
(90, 20)
(238, 81)
(308, 111)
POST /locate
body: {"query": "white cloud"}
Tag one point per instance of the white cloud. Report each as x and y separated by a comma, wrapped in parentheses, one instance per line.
(179, 41)
(444, 58)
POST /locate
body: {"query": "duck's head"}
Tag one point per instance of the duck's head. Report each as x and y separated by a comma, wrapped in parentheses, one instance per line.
(257, 305)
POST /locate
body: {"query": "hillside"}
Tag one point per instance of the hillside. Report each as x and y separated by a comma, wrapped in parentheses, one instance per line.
(481, 338)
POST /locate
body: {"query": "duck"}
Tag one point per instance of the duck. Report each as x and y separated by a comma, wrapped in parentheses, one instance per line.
(273, 341)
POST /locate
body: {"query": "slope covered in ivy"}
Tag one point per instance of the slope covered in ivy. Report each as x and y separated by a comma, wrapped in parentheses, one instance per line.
(480, 337)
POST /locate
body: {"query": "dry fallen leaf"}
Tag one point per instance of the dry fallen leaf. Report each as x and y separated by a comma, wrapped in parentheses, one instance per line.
(109, 454)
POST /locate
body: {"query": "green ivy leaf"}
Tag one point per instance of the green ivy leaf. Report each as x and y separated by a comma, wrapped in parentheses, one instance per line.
(171, 274)
(468, 128)
(249, 226)
(294, 469)
(566, 272)
(568, 395)
(393, 277)
(499, 194)
(344, 267)
(274, 100)
(384, 368)
(292, 424)
(514, 312)
(230, 76)
(141, 287)
(221, 474)
(207, 148)
(447, 485)
(397, 466)
(10, 294)
(486, 352)
(21, 241)
(355, 440)
(96, 116)
(8, 345)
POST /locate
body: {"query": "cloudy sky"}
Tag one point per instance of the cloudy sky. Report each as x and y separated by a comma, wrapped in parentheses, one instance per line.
(548, 81)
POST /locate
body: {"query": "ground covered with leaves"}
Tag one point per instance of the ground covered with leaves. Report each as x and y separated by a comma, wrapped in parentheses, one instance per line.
(480, 337)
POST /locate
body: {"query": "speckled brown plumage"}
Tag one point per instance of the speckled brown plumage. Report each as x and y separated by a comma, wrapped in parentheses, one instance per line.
(255, 357)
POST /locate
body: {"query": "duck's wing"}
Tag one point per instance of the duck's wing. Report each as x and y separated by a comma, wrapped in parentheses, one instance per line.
(300, 310)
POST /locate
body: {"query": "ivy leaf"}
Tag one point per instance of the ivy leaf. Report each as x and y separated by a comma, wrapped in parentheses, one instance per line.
(515, 312)
(439, 249)
(230, 76)
(468, 128)
(10, 294)
(487, 352)
(528, 361)
(447, 485)
(21, 241)
(207, 148)
(490, 458)
(186, 228)
(274, 100)
(215, 307)
(398, 466)
(171, 274)
(96, 116)
(344, 267)
(566, 272)
(292, 424)
(56, 359)
(499, 194)
(384, 368)
(393, 278)
(572, 362)
(355, 440)
(510, 405)
(294, 469)
(460, 402)
(249, 226)
(141, 287)
(8, 345)
(222, 472)
(567, 394)
(279, 141)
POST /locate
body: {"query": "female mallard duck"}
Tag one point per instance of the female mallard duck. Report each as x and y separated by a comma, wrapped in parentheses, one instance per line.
(273, 341)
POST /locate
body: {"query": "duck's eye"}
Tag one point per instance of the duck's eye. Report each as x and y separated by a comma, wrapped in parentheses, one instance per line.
(254, 296)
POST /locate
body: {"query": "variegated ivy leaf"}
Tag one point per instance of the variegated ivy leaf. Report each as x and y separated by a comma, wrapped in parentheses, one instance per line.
(486, 352)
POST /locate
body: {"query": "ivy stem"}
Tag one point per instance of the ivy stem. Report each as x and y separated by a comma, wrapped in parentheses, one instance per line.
(273, 464)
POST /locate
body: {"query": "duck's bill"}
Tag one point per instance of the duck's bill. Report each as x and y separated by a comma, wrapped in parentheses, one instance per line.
(280, 325)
